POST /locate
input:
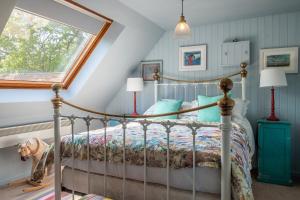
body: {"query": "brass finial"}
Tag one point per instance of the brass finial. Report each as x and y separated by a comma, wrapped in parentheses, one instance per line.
(56, 87)
(244, 71)
(156, 75)
(57, 99)
(226, 103)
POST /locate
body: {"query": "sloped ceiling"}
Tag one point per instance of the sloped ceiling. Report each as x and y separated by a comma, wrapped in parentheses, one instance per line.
(136, 40)
(128, 41)
(166, 13)
(5, 10)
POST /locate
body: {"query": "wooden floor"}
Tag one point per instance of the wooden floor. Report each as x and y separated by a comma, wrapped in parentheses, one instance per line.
(262, 191)
(16, 193)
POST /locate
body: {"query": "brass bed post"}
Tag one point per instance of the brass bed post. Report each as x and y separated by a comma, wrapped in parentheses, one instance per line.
(156, 78)
(226, 105)
(56, 101)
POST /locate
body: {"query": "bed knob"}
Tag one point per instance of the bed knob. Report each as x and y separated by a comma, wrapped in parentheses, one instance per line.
(226, 85)
(156, 75)
(56, 87)
(57, 99)
(244, 71)
(226, 103)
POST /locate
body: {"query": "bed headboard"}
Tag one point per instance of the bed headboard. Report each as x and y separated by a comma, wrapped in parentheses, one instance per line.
(195, 84)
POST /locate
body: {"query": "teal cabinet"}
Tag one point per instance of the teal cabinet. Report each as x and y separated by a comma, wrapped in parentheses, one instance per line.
(274, 152)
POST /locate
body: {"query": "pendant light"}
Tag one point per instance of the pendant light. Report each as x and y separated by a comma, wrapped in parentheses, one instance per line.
(182, 29)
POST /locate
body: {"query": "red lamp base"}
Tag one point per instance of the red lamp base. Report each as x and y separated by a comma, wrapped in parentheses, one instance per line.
(134, 105)
(272, 118)
(134, 114)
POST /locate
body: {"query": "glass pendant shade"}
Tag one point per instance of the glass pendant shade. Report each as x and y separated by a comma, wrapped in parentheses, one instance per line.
(182, 29)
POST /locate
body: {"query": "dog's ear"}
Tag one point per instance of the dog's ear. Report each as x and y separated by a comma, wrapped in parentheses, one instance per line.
(19, 147)
(28, 143)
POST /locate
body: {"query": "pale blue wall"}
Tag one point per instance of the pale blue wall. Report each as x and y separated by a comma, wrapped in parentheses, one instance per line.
(263, 32)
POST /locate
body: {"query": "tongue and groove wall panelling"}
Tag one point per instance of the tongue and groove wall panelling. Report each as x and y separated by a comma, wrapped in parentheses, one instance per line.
(272, 31)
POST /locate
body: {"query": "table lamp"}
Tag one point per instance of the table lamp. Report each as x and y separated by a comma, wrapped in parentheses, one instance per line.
(135, 85)
(272, 78)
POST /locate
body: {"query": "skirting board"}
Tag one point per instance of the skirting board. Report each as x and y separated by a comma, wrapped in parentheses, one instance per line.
(30, 131)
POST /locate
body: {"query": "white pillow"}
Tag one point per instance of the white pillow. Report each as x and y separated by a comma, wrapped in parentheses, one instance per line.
(240, 108)
(190, 115)
(150, 110)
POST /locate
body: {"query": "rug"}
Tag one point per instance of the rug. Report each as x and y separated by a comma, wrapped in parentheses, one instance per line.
(94, 197)
(50, 195)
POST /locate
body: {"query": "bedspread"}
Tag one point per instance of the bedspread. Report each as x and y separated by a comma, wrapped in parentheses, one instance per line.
(208, 149)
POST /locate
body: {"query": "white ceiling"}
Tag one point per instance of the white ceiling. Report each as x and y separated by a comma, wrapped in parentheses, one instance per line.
(165, 13)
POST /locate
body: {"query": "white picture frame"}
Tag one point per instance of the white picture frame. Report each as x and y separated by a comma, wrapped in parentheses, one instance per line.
(193, 58)
(282, 58)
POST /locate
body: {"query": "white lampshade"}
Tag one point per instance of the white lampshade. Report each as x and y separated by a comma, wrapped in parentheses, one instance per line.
(272, 78)
(135, 84)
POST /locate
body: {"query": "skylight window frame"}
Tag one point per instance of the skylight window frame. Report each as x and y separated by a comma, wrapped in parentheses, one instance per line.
(77, 64)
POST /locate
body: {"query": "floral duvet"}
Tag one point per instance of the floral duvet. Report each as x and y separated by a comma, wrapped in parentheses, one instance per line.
(208, 149)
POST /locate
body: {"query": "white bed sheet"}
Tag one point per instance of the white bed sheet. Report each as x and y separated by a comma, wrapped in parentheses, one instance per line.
(207, 179)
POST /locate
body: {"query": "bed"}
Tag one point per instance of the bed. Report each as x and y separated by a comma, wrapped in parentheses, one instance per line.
(208, 156)
(178, 158)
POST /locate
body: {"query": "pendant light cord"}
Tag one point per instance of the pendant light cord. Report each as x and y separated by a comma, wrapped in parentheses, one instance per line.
(181, 7)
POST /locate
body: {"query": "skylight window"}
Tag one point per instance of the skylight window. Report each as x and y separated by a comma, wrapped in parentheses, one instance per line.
(42, 51)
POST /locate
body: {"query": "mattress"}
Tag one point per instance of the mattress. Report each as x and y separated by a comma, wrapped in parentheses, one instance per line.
(207, 178)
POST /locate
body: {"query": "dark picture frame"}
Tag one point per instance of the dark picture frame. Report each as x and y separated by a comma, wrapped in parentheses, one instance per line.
(148, 67)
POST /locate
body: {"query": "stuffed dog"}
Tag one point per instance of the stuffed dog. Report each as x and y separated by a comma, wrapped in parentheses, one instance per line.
(42, 156)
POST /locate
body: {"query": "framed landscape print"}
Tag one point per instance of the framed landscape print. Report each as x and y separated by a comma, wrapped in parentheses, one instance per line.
(283, 58)
(148, 68)
(192, 58)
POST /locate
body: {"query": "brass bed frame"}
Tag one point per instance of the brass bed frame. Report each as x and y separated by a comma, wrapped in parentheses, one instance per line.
(226, 105)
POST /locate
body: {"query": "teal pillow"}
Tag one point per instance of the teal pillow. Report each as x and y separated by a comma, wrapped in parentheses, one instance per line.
(167, 106)
(211, 114)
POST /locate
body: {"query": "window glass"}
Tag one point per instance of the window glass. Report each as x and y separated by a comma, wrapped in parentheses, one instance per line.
(33, 48)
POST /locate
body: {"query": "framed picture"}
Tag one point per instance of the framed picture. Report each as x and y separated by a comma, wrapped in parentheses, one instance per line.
(148, 68)
(283, 58)
(192, 58)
